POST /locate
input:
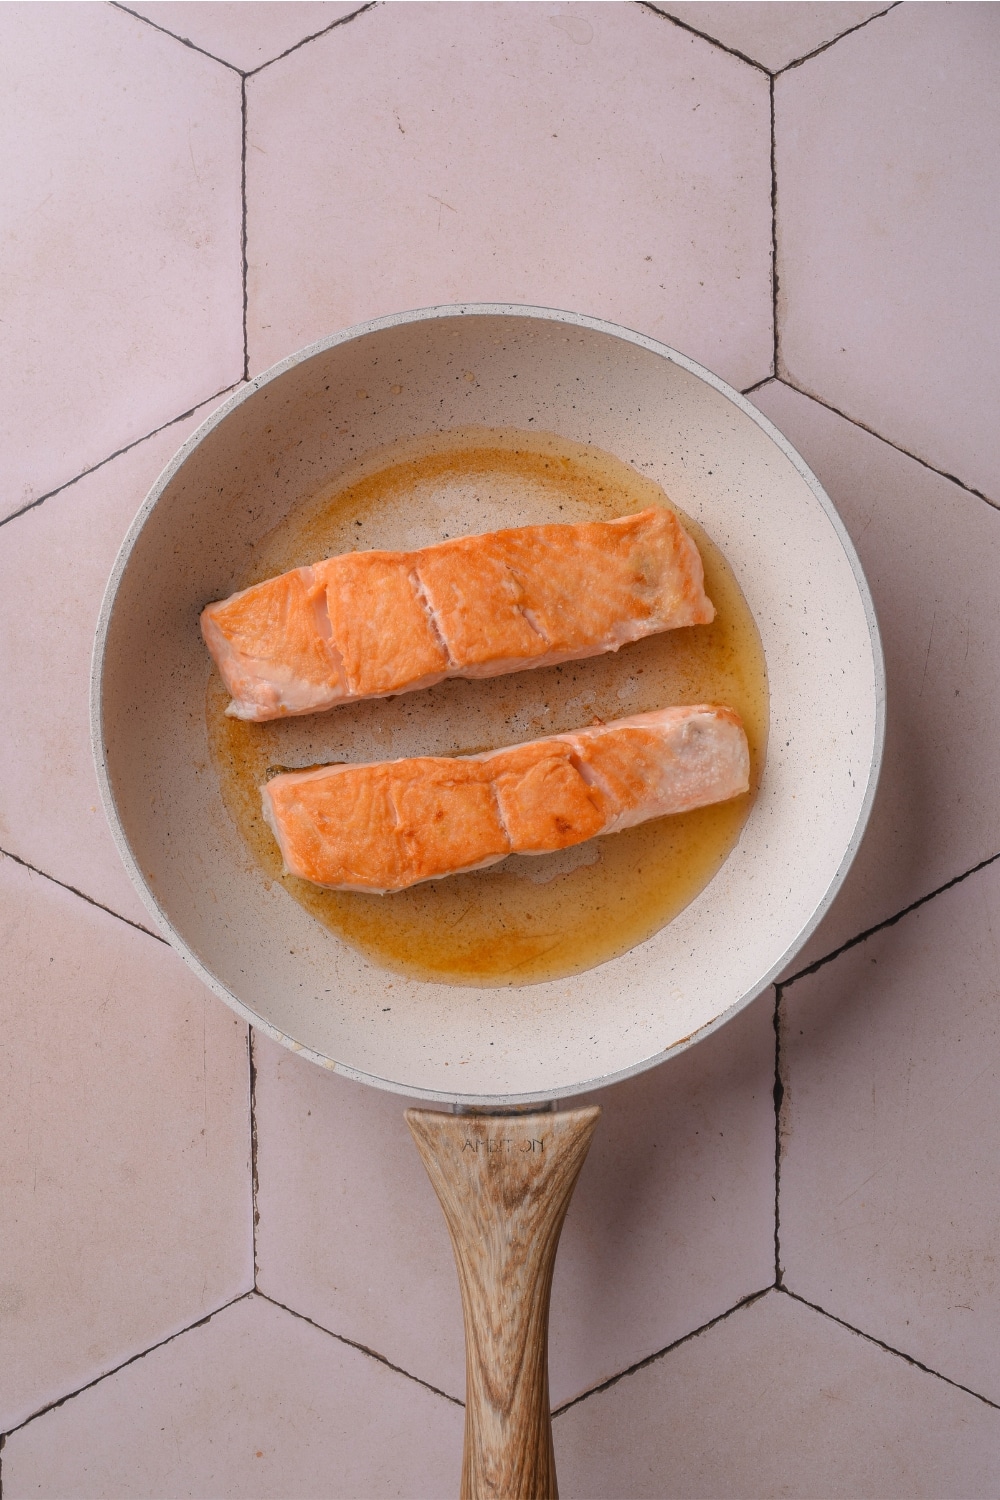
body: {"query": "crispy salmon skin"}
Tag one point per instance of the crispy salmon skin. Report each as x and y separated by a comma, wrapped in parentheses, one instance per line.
(391, 824)
(371, 624)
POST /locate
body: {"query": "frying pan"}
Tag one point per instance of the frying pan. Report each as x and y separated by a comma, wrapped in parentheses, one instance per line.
(294, 429)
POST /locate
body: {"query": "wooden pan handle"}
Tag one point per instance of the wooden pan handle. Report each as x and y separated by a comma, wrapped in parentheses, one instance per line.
(504, 1182)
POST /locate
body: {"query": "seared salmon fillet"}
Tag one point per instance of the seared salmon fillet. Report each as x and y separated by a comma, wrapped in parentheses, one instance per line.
(370, 624)
(390, 824)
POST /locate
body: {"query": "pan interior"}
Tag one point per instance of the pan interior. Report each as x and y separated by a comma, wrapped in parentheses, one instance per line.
(307, 425)
(526, 919)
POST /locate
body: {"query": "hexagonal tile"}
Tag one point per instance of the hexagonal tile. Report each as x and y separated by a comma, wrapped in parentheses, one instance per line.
(61, 552)
(931, 553)
(772, 33)
(586, 156)
(252, 1403)
(671, 1223)
(125, 1197)
(778, 1400)
(247, 34)
(121, 185)
(887, 227)
(889, 1185)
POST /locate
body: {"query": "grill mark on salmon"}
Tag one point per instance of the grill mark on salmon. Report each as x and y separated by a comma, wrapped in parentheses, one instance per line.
(387, 825)
(373, 624)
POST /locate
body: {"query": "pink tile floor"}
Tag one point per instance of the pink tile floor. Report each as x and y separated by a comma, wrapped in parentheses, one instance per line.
(780, 1275)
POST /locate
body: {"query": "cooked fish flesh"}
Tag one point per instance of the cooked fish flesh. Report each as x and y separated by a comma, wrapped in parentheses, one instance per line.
(390, 824)
(371, 624)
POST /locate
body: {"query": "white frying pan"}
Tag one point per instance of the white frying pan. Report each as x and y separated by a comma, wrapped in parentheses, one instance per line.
(297, 427)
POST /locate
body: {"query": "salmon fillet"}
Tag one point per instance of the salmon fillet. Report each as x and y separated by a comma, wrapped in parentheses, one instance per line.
(370, 624)
(388, 825)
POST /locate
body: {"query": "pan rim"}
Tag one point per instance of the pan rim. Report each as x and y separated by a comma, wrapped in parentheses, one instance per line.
(359, 330)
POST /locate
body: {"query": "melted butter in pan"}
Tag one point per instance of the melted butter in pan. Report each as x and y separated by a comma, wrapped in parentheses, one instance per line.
(529, 918)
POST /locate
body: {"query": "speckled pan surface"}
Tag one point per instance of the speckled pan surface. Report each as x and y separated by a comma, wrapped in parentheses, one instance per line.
(722, 463)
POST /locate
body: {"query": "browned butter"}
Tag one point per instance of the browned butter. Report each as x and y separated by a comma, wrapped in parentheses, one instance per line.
(529, 918)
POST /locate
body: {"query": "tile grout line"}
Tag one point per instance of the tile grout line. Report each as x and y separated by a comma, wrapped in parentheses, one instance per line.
(184, 40)
(798, 61)
(888, 1348)
(84, 473)
(133, 1359)
(65, 886)
(340, 21)
(771, 73)
(714, 41)
(857, 422)
(651, 1359)
(785, 380)
(243, 224)
(772, 76)
(779, 1098)
(254, 1178)
(862, 937)
(361, 1348)
(757, 385)
(244, 73)
(774, 237)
